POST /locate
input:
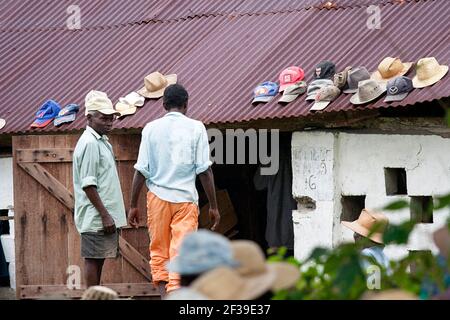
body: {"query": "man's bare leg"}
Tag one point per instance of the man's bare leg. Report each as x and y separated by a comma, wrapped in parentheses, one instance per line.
(93, 271)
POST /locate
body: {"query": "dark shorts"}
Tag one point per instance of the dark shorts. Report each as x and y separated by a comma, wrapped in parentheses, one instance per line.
(98, 245)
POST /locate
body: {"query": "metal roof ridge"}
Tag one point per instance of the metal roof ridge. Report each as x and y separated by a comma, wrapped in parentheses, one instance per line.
(323, 6)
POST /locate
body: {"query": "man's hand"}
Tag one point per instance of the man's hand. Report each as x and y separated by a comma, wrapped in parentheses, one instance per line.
(108, 224)
(133, 217)
(214, 217)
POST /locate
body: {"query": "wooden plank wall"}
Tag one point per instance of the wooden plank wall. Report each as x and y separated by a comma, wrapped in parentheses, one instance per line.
(47, 241)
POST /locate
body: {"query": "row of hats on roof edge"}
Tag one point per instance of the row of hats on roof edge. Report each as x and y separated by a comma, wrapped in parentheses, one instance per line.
(154, 86)
(366, 87)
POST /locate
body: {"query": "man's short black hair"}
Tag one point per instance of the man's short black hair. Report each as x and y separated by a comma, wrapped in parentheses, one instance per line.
(175, 96)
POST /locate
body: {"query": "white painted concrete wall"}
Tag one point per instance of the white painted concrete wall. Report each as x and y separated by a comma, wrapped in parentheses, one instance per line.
(328, 165)
(6, 182)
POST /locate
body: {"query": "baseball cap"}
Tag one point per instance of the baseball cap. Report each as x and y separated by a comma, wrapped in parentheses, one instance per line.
(265, 92)
(201, 251)
(45, 114)
(67, 114)
(292, 91)
(325, 70)
(290, 76)
(324, 97)
(398, 89)
(315, 86)
(98, 101)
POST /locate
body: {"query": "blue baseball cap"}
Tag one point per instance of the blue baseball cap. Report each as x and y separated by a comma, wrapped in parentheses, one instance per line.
(265, 92)
(398, 89)
(45, 114)
(202, 251)
(67, 114)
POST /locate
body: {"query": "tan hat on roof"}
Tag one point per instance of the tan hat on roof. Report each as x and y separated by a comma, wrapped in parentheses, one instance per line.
(391, 68)
(98, 101)
(368, 90)
(155, 84)
(252, 263)
(428, 72)
(366, 222)
(2, 123)
(340, 78)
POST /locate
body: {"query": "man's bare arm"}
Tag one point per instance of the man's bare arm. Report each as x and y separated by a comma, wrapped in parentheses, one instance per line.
(207, 181)
(133, 213)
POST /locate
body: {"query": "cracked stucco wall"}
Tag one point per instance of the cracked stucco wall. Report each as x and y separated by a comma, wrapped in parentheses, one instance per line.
(328, 165)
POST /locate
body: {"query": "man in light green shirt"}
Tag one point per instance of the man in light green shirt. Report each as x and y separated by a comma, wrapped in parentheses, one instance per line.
(99, 206)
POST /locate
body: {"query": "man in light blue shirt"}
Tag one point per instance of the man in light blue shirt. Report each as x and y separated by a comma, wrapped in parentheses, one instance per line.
(173, 151)
(99, 206)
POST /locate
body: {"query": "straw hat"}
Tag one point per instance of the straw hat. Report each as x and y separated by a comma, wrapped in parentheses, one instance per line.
(428, 72)
(2, 123)
(368, 90)
(391, 68)
(99, 293)
(367, 220)
(392, 294)
(225, 283)
(441, 238)
(155, 84)
(252, 263)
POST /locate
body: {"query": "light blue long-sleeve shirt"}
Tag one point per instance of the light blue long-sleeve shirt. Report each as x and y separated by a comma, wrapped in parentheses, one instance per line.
(174, 150)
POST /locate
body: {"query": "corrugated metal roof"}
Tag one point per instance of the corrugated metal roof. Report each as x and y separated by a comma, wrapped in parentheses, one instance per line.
(39, 15)
(220, 59)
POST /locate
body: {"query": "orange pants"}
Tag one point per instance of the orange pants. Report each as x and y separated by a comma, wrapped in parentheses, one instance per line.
(168, 223)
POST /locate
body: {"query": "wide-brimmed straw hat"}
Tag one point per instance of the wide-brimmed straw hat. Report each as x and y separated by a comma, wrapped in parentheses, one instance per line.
(391, 68)
(225, 283)
(155, 84)
(252, 263)
(367, 222)
(428, 72)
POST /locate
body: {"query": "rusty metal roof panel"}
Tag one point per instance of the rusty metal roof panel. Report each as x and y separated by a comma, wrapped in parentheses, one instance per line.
(220, 59)
(53, 14)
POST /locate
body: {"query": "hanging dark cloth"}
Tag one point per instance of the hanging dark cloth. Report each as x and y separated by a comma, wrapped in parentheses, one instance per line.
(280, 203)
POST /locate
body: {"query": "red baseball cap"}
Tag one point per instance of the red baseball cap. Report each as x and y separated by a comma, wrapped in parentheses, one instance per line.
(290, 76)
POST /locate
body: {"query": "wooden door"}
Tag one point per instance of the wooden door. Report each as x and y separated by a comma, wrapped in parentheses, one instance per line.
(47, 242)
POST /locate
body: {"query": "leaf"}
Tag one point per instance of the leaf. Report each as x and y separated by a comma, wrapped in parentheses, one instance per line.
(398, 234)
(442, 202)
(317, 253)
